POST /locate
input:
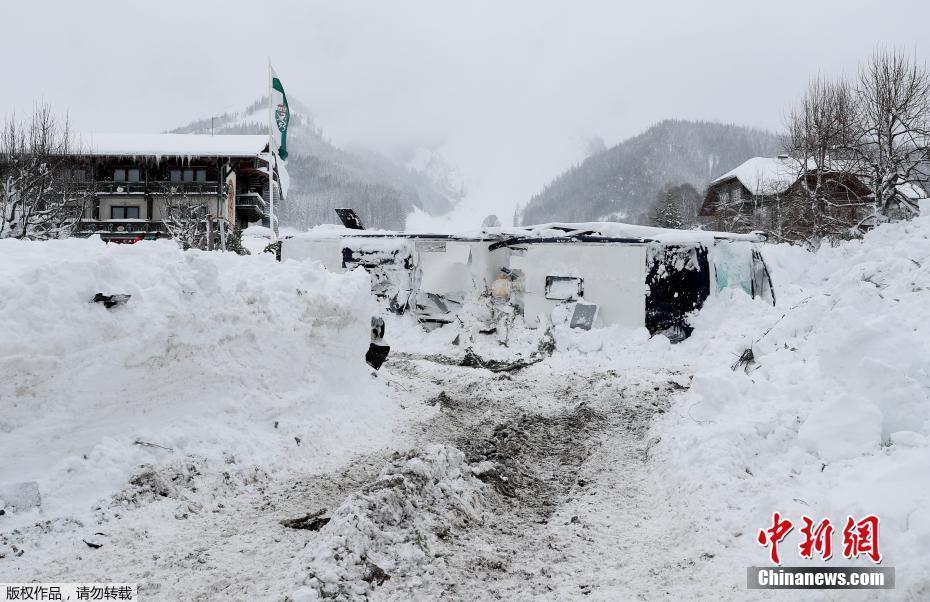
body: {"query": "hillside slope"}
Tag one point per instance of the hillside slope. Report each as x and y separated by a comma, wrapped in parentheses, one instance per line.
(323, 176)
(621, 182)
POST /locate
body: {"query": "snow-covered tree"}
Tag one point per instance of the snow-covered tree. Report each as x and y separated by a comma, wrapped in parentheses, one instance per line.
(185, 219)
(491, 221)
(860, 150)
(668, 211)
(893, 118)
(821, 131)
(41, 196)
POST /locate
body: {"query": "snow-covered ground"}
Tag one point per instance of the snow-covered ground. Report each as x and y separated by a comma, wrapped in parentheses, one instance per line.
(619, 467)
(216, 356)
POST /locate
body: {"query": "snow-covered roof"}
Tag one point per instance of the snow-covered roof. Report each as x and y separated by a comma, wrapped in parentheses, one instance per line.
(764, 175)
(774, 175)
(615, 230)
(911, 191)
(628, 231)
(174, 145)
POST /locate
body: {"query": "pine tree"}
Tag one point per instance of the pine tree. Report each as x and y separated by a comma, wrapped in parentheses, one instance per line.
(668, 212)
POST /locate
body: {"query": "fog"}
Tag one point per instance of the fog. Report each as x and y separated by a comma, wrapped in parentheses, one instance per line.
(509, 92)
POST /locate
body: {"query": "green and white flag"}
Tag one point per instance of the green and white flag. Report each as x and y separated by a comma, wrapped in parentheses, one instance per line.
(280, 114)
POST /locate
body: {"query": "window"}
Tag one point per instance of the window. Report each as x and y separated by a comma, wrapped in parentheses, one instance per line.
(119, 175)
(175, 175)
(133, 175)
(564, 288)
(124, 213)
(78, 175)
(201, 175)
(188, 175)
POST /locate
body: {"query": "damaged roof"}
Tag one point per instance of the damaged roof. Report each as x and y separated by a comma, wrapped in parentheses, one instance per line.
(581, 231)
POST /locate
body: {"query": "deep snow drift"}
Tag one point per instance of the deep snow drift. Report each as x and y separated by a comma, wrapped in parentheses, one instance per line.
(238, 360)
(831, 419)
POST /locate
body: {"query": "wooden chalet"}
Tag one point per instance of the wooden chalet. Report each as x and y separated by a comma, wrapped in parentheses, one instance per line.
(132, 177)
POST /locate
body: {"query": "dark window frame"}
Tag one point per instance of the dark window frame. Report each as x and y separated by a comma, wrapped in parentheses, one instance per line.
(125, 210)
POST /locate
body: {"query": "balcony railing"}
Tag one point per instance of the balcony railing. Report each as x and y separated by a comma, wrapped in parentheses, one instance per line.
(152, 187)
(251, 205)
(125, 227)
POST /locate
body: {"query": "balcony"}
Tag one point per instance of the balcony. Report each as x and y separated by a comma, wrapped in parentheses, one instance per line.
(122, 228)
(251, 206)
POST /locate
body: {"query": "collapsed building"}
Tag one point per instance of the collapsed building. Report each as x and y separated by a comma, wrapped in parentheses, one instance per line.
(586, 275)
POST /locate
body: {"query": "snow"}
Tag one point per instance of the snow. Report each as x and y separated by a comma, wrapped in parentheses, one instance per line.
(174, 145)
(774, 175)
(621, 230)
(239, 343)
(764, 175)
(224, 360)
(832, 418)
(392, 523)
(552, 230)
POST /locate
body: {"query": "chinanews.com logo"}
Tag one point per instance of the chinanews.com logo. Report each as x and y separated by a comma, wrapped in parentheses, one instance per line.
(860, 538)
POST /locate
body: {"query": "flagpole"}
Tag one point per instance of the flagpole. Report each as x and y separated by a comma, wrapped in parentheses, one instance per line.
(271, 151)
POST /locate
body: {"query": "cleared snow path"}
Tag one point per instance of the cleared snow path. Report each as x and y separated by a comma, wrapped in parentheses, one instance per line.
(567, 506)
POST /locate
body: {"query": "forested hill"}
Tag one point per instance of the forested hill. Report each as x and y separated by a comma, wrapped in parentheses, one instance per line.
(381, 190)
(621, 183)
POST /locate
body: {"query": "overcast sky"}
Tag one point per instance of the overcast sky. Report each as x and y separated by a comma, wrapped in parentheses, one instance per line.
(508, 91)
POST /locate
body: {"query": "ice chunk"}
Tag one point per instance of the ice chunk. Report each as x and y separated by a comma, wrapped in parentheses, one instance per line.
(20, 496)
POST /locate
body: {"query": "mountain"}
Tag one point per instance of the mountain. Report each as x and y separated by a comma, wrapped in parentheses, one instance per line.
(381, 190)
(622, 183)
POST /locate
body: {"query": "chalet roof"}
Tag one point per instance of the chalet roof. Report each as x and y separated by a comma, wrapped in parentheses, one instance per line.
(774, 175)
(764, 175)
(911, 191)
(174, 145)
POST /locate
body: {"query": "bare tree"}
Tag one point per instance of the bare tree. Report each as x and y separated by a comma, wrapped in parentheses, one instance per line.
(185, 219)
(861, 150)
(41, 196)
(892, 102)
(819, 132)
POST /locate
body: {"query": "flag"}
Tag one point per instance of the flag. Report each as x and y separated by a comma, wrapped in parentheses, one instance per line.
(280, 115)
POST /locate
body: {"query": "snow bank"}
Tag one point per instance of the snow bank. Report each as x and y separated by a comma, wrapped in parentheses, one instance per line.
(386, 529)
(237, 360)
(831, 419)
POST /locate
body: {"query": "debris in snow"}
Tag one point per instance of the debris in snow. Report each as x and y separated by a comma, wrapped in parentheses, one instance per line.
(389, 526)
(377, 354)
(148, 444)
(376, 575)
(746, 359)
(442, 400)
(310, 522)
(111, 300)
(544, 349)
(583, 316)
(350, 219)
(163, 481)
(91, 544)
